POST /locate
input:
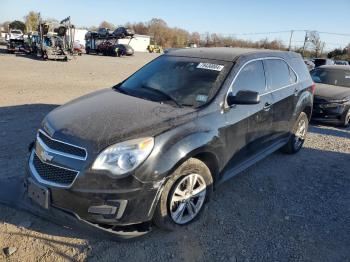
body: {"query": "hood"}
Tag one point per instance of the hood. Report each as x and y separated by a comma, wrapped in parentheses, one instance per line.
(331, 92)
(106, 117)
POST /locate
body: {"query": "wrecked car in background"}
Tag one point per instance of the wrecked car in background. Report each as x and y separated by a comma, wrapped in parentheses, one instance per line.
(332, 95)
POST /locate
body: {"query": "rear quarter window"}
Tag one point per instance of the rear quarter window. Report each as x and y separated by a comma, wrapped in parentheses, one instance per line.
(300, 68)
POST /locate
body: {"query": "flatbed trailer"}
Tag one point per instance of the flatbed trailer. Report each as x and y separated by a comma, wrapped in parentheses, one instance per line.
(95, 44)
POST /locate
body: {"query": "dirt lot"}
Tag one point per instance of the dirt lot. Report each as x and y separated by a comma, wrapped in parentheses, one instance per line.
(285, 208)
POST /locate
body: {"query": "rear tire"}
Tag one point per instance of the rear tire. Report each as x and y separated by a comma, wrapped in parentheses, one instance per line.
(180, 203)
(345, 120)
(298, 135)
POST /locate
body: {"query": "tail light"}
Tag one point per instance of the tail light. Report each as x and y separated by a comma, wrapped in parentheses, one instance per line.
(313, 87)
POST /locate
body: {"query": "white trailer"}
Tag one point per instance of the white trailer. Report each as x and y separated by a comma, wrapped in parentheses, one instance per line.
(138, 42)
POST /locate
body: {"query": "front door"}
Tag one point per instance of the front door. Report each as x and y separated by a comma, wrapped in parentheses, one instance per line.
(256, 119)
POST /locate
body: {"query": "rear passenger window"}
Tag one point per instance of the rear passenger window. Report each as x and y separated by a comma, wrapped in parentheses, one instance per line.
(251, 77)
(278, 74)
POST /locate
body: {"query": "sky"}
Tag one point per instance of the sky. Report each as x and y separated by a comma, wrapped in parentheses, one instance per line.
(239, 18)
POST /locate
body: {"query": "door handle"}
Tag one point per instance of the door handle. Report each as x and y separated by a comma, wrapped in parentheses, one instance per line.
(267, 106)
(296, 91)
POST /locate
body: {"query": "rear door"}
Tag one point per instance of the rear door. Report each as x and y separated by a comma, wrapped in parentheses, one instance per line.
(282, 84)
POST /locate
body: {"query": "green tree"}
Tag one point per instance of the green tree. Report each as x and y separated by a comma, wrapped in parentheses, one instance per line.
(18, 25)
(32, 20)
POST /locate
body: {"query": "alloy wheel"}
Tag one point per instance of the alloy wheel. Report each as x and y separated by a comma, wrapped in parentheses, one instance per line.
(187, 198)
(300, 133)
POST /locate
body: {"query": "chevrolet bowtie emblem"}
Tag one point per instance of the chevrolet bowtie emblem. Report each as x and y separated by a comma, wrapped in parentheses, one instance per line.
(45, 156)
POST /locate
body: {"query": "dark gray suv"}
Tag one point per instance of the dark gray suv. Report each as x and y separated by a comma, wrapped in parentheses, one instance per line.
(153, 147)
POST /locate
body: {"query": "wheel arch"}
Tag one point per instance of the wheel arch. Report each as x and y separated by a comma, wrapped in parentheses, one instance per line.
(308, 111)
(304, 104)
(211, 161)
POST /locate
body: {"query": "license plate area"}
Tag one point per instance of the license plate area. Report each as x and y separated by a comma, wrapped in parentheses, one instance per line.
(39, 194)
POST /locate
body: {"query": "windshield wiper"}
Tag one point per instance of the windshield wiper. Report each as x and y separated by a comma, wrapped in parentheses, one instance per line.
(169, 97)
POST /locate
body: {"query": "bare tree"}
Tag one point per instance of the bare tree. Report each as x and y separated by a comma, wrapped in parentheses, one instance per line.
(195, 38)
(6, 25)
(314, 38)
(108, 25)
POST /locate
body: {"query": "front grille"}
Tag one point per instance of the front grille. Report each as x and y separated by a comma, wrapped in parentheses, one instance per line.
(62, 147)
(52, 173)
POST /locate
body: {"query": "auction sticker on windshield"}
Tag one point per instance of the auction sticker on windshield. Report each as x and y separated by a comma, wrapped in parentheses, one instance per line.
(210, 66)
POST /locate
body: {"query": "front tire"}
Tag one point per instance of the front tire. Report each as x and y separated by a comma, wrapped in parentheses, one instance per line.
(298, 135)
(184, 195)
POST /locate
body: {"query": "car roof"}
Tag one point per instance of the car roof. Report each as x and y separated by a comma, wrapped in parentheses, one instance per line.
(227, 53)
(336, 67)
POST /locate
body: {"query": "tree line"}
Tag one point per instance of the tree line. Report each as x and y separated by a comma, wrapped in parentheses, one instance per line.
(175, 37)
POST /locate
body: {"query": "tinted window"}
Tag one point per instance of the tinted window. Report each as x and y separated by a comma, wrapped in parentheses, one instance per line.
(251, 77)
(278, 74)
(331, 76)
(188, 81)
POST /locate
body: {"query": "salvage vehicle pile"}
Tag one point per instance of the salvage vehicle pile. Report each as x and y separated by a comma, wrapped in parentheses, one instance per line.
(51, 41)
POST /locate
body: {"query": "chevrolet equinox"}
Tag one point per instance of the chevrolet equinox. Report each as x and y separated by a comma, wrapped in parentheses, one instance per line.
(153, 147)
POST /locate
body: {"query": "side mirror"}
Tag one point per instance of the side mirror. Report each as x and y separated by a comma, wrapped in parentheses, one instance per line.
(243, 97)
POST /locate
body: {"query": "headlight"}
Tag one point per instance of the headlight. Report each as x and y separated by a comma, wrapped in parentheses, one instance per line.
(124, 157)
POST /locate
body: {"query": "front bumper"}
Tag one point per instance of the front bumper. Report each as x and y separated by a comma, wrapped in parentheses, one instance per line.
(328, 113)
(13, 192)
(100, 199)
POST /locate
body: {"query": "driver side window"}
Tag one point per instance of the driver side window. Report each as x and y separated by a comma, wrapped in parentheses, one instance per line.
(251, 77)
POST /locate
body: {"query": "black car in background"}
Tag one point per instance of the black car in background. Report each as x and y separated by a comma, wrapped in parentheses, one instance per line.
(332, 94)
(323, 61)
(124, 49)
(103, 32)
(152, 147)
(122, 32)
(110, 49)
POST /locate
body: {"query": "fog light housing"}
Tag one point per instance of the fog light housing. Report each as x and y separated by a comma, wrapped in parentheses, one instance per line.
(112, 209)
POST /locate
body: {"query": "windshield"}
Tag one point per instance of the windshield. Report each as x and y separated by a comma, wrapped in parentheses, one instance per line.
(331, 77)
(183, 81)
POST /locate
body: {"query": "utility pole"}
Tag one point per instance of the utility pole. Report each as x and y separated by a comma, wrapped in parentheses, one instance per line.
(305, 40)
(290, 40)
(322, 46)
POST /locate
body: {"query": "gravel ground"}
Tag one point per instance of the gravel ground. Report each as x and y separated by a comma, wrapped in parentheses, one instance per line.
(285, 208)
